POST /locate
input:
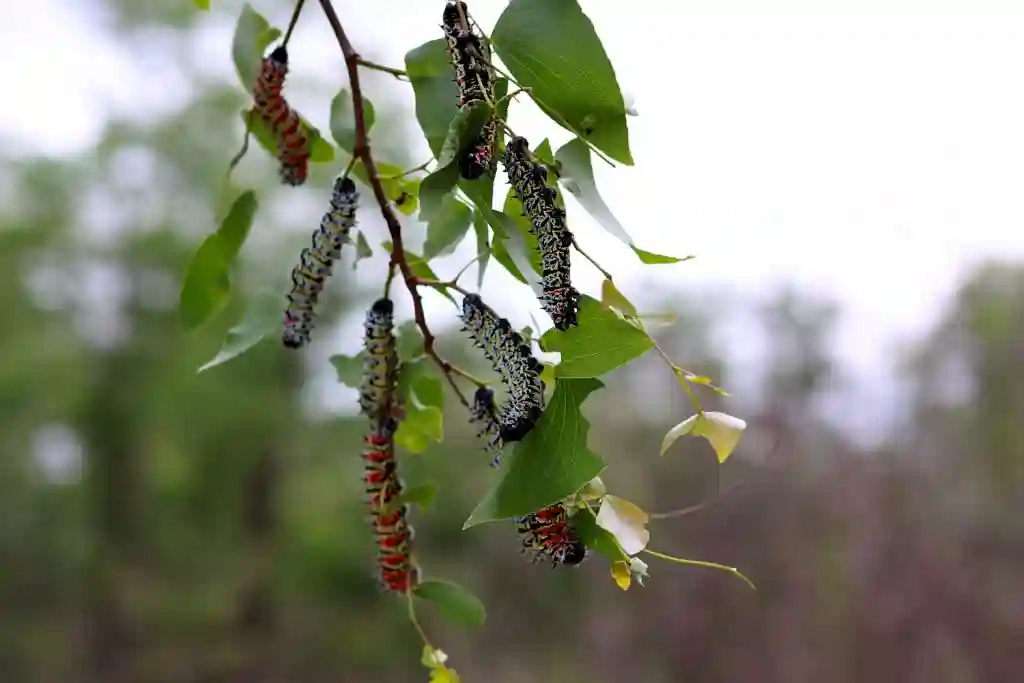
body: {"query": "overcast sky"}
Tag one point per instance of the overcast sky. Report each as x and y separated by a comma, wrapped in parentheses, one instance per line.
(870, 150)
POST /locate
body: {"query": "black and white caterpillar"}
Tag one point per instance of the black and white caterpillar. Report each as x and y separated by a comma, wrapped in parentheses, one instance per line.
(316, 262)
(547, 221)
(513, 359)
(484, 413)
(380, 360)
(471, 59)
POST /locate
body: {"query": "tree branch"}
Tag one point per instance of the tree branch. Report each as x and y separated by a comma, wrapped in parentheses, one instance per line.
(362, 151)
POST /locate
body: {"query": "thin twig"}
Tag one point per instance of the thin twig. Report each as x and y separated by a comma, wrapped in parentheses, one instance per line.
(245, 143)
(294, 20)
(607, 275)
(397, 73)
(362, 150)
(695, 508)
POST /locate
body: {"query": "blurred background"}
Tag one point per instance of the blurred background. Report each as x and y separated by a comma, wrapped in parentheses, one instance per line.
(849, 176)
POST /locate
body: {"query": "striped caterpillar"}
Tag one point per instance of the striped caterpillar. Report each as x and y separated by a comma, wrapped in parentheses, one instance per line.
(292, 142)
(380, 360)
(396, 570)
(316, 262)
(520, 371)
(560, 298)
(547, 533)
(485, 413)
(471, 59)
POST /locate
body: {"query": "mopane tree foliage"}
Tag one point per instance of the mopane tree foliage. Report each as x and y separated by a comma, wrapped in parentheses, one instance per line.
(528, 413)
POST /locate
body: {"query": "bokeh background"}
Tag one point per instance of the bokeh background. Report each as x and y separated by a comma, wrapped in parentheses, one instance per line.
(849, 175)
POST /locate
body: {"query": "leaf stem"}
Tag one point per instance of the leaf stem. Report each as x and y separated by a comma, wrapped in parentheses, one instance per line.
(701, 563)
(414, 169)
(245, 143)
(437, 284)
(397, 73)
(291, 24)
(362, 150)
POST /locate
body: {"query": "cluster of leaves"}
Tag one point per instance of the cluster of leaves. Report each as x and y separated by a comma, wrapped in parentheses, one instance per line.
(550, 50)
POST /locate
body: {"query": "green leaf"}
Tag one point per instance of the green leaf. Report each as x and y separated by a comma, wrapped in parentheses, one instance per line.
(657, 259)
(616, 300)
(399, 190)
(602, 342)
(423, 397)
(483, 247)
(343, 120)
(202, 4)
(320, 151)
(437, 96)
(626, 521)
(454, 602)
(522, 225)
(577, 176)
(422, 495)
(552, 462)
(551, 47)
(447, 229)
(408, 200)
(409, 341)
(433, 190)
(363, 250)
(262, 317)
(596, 538)
(350, 369)
(722, 431)
(463, 131)
(207, 285)
(253, 34)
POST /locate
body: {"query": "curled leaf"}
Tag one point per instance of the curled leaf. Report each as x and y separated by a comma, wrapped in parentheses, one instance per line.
(626, 521)
(722, 431)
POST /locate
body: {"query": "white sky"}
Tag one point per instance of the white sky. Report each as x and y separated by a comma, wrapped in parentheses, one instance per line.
(867, 149)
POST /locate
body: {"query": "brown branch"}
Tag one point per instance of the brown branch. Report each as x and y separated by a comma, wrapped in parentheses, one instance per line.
(362, 150)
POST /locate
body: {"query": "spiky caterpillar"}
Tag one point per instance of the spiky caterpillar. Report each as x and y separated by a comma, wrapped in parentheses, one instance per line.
(316, 262)
(485, 413)
(396, 570)
(513, 359)
(380, 360)
(473, 74)
(269, 102)
(547, 533)
(547, 221)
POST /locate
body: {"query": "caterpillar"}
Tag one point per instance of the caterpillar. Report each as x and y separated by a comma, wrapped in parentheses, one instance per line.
(292, 142)
(513, 359)
(316, 262)
(471, 61)
(547, 533)
(393, 535)
(485, 413)
(380, 360)
(529, 180)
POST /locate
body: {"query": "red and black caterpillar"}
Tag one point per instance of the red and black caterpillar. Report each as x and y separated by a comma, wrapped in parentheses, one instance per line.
(547, 220)
(316, 262)
(292, 141)
(474, 75)
(548, 534)
(513, 359)
(393, 535)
